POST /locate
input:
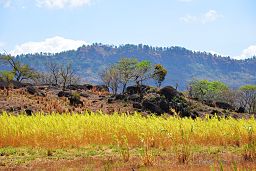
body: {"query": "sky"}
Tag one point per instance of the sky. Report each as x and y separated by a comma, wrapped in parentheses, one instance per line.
(225, 27)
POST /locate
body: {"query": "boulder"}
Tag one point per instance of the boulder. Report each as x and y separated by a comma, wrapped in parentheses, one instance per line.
(240, 110)
(134, 97)
(28, 112)
(31, 90)
(164, 105)
(224, 105)
(64, 94)
(119, 97)
(135, 89)
(14, 84)
(209, 103)
(111, 100)
(137, 105)
(35, 91)
(169, 92)
(147, 105)
(88, 86)
(75, 101)
(77, 87)
(101, 88)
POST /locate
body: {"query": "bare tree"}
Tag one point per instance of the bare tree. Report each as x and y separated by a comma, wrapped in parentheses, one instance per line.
(111, 78)
(66, 74)
(54, 73)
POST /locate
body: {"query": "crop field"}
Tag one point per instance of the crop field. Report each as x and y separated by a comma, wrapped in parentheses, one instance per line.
(146, 141)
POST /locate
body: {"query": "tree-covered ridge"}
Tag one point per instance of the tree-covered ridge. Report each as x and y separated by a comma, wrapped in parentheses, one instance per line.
(183, 65)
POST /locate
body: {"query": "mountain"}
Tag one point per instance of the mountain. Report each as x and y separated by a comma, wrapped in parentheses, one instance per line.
(183, 65)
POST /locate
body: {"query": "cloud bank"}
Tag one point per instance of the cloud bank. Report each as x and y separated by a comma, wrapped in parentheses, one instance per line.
(247, 53)
(51, 45)
(62, 3)
(209, 16)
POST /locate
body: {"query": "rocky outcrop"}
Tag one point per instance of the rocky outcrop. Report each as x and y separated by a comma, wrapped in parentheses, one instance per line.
(35, 91)
(224, 105)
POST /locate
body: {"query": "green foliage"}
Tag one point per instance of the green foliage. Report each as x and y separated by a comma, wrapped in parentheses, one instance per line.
(125, 71)
(142, 71)
(248, 88)
(126, 68)
(21, 71)
(206, 90)
(159, 74)
(248, 97)
(6, 76)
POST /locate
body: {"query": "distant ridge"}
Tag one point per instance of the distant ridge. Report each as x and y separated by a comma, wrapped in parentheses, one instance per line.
(183, 65)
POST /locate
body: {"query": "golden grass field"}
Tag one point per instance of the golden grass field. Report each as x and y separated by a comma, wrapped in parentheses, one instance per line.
(184, 139)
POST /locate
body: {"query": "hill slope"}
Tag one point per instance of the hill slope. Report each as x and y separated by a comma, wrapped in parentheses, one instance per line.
(182, 64)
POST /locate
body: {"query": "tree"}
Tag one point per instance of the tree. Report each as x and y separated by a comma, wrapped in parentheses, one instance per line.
(111, 78)
(54, 72)
(21, 71)
(159, 74)
(248, 97)
(66, 75)
(7, 77)
(206, 90)
(142, 73)
(126, 68)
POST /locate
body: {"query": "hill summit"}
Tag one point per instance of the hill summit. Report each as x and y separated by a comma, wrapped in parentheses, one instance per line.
(182, 64)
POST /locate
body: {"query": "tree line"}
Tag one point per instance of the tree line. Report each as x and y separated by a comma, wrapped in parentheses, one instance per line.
(210, 91)
(127, 71)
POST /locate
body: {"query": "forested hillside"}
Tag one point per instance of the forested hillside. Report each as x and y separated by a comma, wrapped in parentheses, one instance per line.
(183, 65)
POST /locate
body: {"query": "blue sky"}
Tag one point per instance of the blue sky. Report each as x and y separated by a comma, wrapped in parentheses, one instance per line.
(226, 27)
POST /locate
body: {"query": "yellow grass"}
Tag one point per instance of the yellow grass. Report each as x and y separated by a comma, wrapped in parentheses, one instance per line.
(78, 130)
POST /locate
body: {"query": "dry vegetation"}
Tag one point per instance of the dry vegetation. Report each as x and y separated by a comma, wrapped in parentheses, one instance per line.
(19, 100)
(134, 140)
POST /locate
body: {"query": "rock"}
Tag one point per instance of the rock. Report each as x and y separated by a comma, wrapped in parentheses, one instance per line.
(134, 97)
(119, 97)
(152, 107)
(224, 105)
(88, 86)
(169, 92)
(64, 94)
(153, 97)
(216, 112)
(29, 112)
(110, 100)
(241, 110)
(31, 90)
(209, 103)
(35, 91)
(164, 105)
(77, 87)
(101, 88)
(137, 105)
(75, 101)
(135, 89)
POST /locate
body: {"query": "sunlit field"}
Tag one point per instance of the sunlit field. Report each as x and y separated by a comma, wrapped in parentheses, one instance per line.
(182, 138)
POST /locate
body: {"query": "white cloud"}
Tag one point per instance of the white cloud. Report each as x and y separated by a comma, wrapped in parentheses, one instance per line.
(5, 3)
(208, 17)
(247, 53)
(62, 3)
(52, 45)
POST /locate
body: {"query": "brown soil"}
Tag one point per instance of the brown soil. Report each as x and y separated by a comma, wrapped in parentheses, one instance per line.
(19, 100)
(114, 163)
